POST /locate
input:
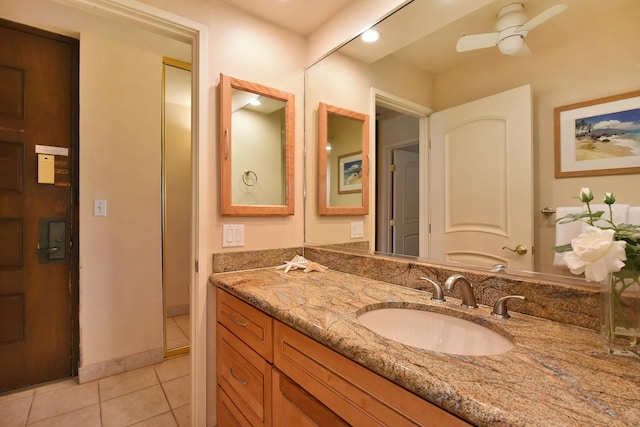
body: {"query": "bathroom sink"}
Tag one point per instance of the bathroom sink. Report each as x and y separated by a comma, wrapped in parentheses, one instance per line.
(435, 331)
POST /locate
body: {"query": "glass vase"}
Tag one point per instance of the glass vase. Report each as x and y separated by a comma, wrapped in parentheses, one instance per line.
(621, 314)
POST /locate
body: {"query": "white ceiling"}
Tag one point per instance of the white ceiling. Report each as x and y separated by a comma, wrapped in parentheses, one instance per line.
(300, 16)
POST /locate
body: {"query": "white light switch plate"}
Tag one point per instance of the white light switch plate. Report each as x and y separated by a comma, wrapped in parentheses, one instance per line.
(99, 208)
(357, 229)
(232, 235)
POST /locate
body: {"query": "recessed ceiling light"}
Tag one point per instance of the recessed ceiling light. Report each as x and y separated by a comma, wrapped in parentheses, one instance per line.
(255, 102)
(370, 36)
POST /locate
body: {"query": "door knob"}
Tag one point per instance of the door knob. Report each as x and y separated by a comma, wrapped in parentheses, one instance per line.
(520, 249)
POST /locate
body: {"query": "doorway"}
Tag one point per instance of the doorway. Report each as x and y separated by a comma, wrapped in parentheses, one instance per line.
(176, 205)
(38, 206)
(397, 182)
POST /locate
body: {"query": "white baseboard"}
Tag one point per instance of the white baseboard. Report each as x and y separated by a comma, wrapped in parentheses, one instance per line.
(178, 310)
(117, 366)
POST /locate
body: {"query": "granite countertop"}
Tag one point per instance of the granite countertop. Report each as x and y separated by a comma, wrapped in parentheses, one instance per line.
(556, 375)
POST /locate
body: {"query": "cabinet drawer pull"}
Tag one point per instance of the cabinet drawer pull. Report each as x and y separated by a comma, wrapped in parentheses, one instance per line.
(237, 378)
(233, 319)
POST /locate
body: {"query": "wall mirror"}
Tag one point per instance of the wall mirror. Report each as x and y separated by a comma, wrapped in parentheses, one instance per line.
(416, 69)
(343, 147)
(256, 149)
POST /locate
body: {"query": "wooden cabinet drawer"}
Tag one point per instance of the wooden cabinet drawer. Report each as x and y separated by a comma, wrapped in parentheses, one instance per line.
(251, 325)
(228, 413)
(245, 377)
(357, 395)
(294, 406)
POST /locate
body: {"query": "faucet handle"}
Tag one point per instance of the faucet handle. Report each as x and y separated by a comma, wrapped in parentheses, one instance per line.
(500, 307)
(438, 295)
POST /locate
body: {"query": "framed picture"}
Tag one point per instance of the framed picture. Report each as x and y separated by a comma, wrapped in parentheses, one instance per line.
(599, 137)
(350, 173)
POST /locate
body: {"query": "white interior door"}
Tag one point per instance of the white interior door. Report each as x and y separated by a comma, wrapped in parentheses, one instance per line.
(481, 195)
(406, 215)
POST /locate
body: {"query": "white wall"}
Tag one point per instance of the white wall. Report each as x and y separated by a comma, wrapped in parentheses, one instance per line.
(120, 254)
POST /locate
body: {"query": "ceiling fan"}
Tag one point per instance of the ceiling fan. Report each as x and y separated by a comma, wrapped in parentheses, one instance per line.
(510, 30)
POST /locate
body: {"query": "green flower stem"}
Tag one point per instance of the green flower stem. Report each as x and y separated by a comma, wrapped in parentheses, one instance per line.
(617, 315)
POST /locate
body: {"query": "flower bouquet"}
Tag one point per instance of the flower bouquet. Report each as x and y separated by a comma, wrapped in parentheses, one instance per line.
(609, 253)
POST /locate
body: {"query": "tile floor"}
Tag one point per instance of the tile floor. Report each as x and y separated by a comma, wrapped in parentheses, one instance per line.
(178, 328)
(154, 396)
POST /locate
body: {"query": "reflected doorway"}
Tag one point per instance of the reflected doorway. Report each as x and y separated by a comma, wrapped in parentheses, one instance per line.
(176, 205)
(397, 182)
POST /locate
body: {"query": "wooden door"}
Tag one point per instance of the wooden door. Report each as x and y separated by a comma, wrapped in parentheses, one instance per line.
(38, 142)
(481, 194)
(406, 207)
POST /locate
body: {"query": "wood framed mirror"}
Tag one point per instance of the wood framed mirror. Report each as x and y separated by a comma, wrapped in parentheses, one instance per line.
(343, 161)
(256, 149)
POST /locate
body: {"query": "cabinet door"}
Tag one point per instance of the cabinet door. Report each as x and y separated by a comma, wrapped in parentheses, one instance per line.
(293, 406)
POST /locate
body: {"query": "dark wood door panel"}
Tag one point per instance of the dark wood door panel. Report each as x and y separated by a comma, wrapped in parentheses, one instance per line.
(38, 295)
(11, 167)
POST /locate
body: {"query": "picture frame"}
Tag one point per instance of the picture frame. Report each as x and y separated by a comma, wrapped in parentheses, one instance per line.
(598, 137)
(350, 173)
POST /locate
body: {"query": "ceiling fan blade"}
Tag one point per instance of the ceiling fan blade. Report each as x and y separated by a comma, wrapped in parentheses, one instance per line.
(544, 16)
(476, 41)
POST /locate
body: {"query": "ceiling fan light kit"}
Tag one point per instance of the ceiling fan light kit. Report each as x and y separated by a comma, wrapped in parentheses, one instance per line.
(511, 29)
(510, 45)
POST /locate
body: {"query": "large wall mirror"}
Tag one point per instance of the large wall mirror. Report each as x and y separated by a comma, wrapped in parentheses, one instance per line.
(343, 148)
(586, 52)
(256, 149)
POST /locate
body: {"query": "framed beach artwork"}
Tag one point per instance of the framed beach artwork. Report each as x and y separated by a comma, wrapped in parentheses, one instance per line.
(350, 173)
(598, 137)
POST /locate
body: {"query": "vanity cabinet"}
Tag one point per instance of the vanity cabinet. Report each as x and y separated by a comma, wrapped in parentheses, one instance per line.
(244, 352)
(308, 384)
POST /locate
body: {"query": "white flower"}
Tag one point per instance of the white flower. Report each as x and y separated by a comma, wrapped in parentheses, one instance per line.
(585, 195)
(596, 254)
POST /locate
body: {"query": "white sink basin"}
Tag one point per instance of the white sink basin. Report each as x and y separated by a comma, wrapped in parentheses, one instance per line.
(435, 331)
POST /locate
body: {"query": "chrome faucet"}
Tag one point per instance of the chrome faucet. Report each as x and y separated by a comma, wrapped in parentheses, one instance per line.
(500, 307)
(466, 289)
(438, 295)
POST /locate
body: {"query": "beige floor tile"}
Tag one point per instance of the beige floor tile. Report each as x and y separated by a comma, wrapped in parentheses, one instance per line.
(176, 338)
(163, 420)
(60, 401)
(174, 368)
(57, 385)
(85, 417)
(184, 323)
(134, 407)
(178, 391)
(14, 412)
(17, 395)
(183, 416)
(127, 382)
(173, 331)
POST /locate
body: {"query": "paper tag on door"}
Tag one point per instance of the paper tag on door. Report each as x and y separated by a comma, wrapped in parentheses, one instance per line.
(46, 174)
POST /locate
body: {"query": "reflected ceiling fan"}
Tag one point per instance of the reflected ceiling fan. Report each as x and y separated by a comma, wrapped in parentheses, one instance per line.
(510, 30)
